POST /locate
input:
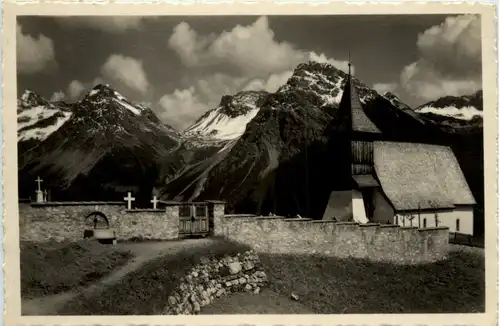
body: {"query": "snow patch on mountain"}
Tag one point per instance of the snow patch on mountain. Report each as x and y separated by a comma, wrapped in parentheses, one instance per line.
(463, 113)
(43, 132)
(128, 106)
(30, 120)
(221, 126)
(228, 120)
(396, 101)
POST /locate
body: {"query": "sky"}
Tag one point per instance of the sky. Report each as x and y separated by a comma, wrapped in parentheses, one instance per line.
(181, 66)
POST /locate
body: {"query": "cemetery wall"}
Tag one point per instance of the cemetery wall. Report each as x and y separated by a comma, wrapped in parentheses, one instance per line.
(387, 243)
(215, 278)
(65, 221)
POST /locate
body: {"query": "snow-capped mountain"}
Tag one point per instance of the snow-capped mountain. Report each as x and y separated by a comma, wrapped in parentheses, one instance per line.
(264, 169)
(37, 118)
(396, 101)
(228, 121)
(270, 152)
(106, 144)
(326, 82)
(249, 150)
(467, 107)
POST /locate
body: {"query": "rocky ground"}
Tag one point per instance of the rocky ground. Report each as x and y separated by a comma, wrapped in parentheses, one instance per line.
(216, 278)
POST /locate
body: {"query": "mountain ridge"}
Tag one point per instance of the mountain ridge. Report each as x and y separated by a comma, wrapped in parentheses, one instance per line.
(257, 167)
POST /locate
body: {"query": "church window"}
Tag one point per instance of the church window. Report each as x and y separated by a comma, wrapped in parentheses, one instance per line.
(425, 223)
(457, 227)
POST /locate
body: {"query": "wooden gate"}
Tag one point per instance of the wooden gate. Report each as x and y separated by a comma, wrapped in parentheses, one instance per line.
(193, 219)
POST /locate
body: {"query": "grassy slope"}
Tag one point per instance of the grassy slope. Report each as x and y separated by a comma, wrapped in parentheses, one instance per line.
(324, 285)
(146, 291)
(332, 286)
(52, 267)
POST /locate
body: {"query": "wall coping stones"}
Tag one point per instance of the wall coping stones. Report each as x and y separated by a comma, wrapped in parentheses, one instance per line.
(434, 228)
(325, 221)
(389, 226)
(77, 203)
(409, 227)
(369, 225)
(169, 202)
(143, 210)
(239, 215)
(298, 219)
(215, 201)
(347, 223)
(270, 218)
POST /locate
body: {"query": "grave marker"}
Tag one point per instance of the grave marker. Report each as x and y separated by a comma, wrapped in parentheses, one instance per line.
(39, 193)
(129, 199)
(154, 201)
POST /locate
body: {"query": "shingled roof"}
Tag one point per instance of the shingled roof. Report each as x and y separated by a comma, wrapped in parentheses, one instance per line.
(420, 176)
(360, 122)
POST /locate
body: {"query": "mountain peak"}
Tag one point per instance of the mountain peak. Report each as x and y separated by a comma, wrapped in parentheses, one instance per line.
(229, 119)
(30, 98)
(104, 90)
(465, 107)
(396, 101)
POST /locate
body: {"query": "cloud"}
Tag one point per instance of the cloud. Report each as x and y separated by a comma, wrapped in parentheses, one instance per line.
(250, 57)
(252, 49)
(270, 84)
(57, 96)
(188, 45)
(382, 88)
(181, 108)
(33, 54)
(339, 64)
(126, 70)
(449, 60)
(111, 24)
(75, 89)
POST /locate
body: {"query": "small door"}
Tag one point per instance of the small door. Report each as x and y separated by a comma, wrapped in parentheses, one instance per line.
(193, 219)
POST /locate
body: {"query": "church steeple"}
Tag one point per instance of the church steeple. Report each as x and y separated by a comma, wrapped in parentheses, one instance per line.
(351, 105)
(349, 64)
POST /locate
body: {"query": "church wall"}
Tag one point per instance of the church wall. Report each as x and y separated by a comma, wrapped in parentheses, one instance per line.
(277, 235)
(339, 206)
(383, 209)
(64, 221)
(358, 207)
(445, 218)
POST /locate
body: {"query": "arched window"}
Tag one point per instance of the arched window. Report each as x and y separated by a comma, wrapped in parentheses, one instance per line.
(457, 227)
(425, 223)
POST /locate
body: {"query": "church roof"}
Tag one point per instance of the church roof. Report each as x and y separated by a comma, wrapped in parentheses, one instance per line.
(365, 180)
(360, 122)
(420, 176)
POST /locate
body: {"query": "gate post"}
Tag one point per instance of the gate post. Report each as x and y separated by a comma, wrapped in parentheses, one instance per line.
(216, 217)
(172, 219)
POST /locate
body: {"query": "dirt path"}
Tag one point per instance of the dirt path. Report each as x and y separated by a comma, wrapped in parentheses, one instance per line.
(143, 252)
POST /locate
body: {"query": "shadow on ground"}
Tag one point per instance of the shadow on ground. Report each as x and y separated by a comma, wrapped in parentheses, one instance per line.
(332, 286)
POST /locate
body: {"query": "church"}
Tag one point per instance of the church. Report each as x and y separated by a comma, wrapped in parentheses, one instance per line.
(395, 181)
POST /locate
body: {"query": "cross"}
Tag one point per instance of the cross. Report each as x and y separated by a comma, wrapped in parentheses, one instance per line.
(39, 181)
(129, 199)
(154, 201)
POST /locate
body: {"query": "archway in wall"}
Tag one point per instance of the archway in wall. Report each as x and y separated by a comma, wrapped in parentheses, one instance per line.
(94, 221)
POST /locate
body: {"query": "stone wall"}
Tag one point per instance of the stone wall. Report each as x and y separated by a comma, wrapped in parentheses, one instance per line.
(212, 279)
(61, 221)
(388, 243)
